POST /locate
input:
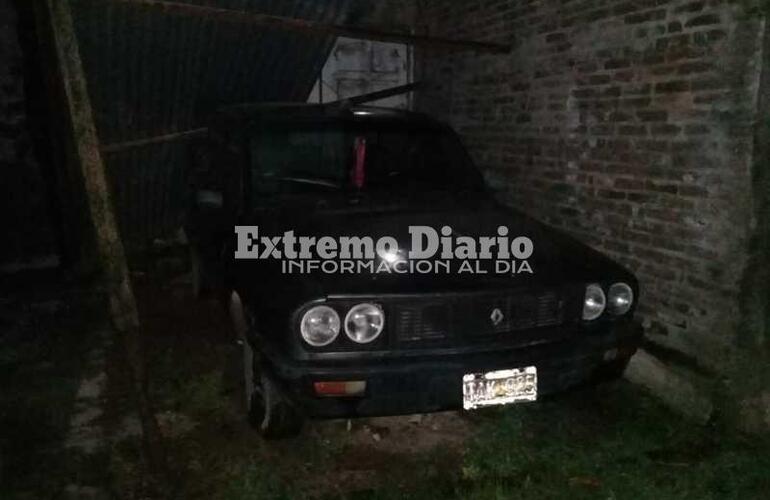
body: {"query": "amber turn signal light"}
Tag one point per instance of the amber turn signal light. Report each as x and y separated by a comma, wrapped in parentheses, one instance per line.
(340, 388)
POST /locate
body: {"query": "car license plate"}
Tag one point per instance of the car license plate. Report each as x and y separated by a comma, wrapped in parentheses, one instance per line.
(499, 387)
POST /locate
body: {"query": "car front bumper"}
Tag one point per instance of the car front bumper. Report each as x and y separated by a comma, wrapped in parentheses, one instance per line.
(397, 386)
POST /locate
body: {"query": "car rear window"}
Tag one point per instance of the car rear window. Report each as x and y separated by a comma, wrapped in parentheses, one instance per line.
(364, 158)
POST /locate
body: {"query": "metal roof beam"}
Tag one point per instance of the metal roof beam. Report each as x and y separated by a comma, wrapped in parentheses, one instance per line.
(158, 139)
(313, 27)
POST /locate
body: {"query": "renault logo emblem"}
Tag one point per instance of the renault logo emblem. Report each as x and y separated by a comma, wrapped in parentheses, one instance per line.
(496, 316)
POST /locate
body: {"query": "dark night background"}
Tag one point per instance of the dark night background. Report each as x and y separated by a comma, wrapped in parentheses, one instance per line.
(638, 126)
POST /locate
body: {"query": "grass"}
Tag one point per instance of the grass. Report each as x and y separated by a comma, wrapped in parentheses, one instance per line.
(610, 442)
(614, 443)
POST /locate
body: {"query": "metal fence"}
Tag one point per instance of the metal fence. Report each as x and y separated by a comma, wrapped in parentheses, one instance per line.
(151, 74)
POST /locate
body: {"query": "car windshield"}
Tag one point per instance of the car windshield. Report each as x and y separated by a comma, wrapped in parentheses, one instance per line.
(389, 159)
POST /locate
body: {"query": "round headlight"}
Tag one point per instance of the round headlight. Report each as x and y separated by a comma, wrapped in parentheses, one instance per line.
(620, 297)
(320, 326)
(364, 322)
(593, 305)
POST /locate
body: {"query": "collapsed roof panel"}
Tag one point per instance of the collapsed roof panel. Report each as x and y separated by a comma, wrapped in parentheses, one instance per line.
(151, 73)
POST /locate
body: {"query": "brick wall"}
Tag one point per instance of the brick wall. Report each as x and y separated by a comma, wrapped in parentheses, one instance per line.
(627, 123)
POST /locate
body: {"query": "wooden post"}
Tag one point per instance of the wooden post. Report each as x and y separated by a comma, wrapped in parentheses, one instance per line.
(109, 246)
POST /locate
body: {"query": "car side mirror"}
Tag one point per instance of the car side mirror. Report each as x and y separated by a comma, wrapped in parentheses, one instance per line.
(206, 199)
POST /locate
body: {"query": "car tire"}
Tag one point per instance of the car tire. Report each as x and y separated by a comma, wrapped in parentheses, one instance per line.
(271, 414)
(268, 411)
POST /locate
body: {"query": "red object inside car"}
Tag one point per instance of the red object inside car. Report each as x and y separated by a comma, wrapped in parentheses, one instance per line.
(359, 169)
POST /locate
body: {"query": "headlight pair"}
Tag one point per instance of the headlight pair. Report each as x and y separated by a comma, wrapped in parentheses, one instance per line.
(618, 300)
(363, 323)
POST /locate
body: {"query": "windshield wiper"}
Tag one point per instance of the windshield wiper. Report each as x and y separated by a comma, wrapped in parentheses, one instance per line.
(305, 180)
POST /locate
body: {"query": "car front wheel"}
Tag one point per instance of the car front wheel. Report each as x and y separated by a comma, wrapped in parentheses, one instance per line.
(269, 411)
(271, 414)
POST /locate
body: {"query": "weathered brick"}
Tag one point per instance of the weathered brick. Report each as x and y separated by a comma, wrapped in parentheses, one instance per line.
(690, 7)
(639, 89)
(672, 86)
(696, 129)
(691, 190)
(596, 15)
(619, 116)
(666, 129)
(556, 37)
(636, 184)
(635, 102)
(630, 121)
(680, 52)
(657, 115)
(623, 76)
(707, 84)
(584, 93)
(703, 20)
(639, 130)
(643, 17)
(694, 67)
(654, 145)
(663, 70)
(599, 79)
(710, 98)
(654, 56)
(611, 194)
(662, 188)
(666, 43)
(617, 64)
(640, 197)
(601, 130)
(587, 66)
(708, 38)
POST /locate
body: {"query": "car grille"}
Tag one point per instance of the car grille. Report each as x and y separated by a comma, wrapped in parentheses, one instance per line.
(469, 315)
(422, 321)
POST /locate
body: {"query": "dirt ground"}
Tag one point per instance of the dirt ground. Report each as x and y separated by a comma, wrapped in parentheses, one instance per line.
(612, 441)
(189, 343)
(48, 331)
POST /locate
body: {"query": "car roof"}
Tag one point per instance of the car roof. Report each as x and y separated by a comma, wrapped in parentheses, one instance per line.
(291, 111)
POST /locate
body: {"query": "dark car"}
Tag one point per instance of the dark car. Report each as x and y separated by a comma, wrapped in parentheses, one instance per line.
(325, 341)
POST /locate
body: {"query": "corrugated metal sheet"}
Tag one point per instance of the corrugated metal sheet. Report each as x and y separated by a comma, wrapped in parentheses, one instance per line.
(150, 73)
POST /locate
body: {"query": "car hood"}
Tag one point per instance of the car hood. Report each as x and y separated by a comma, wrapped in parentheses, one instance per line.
(556, 258)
